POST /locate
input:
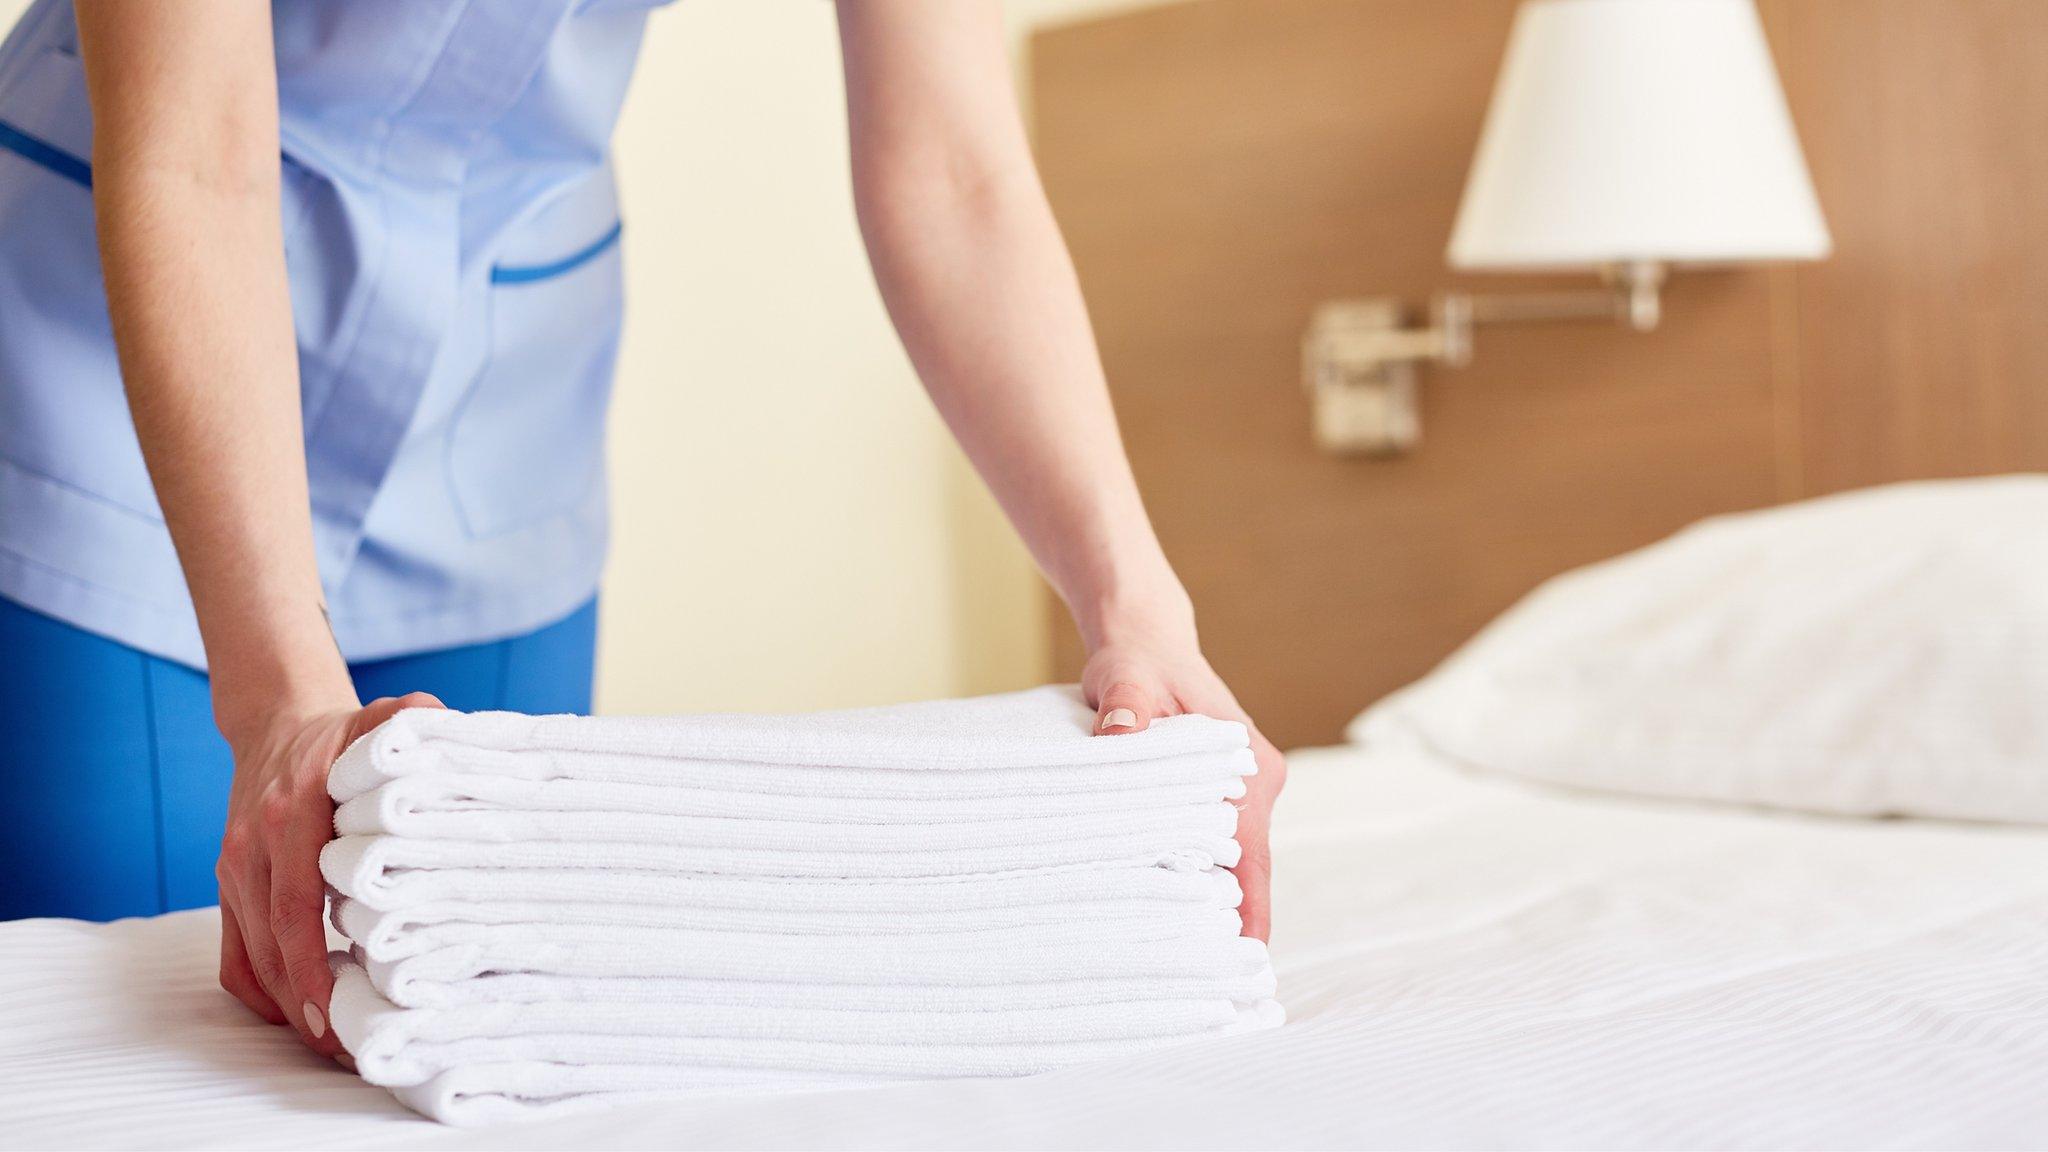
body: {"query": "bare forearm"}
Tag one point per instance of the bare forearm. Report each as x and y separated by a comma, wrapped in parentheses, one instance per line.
(205, 340)
(981, 289)
(191, 247)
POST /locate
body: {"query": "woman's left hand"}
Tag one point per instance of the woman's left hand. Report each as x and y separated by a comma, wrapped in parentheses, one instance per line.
(1130, 685)
(971, 265)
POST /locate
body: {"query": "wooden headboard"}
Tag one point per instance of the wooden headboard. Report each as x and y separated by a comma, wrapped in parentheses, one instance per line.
(1220, 167)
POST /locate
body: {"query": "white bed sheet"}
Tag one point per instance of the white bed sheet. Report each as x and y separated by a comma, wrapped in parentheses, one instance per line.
(1466, 963)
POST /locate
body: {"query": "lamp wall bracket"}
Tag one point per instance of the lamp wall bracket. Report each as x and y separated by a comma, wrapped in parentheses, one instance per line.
(1360, 357)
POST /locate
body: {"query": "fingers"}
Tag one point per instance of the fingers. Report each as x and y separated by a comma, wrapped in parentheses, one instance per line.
(236, 974)
(1254, 869)
(297, 903)
(275, 971)
(1124, 707)
(378, 711)
(273, 932)
(1254, 874)
(266, 960)
(272, 904)
(1272, 774)
(1135, 696)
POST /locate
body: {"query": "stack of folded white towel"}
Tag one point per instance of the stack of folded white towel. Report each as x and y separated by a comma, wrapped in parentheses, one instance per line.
(556, 912)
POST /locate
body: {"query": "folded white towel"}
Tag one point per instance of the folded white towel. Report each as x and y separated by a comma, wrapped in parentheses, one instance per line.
(796, 959)
(1040, 729)
(481, 1094)
(410, 932)
(553, 890)
(369, 764)
(377, 942)
(555, 911)
(472, 791)
(505, 1092)
(1183, 823)
(398, 1046)
(513, 1093)
(385, 1028)
(1245, 986)
(359, 866)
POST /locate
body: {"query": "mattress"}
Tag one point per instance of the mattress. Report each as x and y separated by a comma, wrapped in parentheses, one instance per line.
(1466, 963)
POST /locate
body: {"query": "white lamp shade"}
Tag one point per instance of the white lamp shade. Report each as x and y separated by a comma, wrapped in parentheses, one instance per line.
(1624, 130)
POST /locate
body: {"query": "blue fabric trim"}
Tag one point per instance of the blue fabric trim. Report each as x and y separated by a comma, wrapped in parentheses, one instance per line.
(45, 154)
(528, 273)
(119, 780)
(156, 778)
(503, 688)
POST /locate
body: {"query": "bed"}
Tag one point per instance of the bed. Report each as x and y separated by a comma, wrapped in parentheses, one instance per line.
(1736, 841)
(1467, 962)
(1470, 959)
(1519, 957)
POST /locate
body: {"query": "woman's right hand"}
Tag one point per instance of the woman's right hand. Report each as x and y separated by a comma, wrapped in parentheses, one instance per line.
(273, 940)
(185, 194)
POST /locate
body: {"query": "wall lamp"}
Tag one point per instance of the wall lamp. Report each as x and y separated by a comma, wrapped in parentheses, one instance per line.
(1630, 137)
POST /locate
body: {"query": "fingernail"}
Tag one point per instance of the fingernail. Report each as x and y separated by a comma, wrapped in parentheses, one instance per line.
(1120, 718)
(315, 1022)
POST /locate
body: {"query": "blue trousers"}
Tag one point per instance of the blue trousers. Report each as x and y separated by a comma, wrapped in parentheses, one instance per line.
(114, 781)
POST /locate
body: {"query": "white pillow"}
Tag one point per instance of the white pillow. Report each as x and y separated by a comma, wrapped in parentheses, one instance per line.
(1882, 652)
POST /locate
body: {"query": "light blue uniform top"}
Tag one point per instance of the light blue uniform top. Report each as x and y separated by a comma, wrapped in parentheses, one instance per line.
(452, 238)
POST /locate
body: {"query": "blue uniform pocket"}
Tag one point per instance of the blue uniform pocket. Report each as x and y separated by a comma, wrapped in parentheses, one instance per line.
(527, 442)
(45, 119)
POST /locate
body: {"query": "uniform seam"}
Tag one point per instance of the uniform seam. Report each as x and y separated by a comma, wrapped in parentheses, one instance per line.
(37, 474)
(156, 781)
(85, 582)
(337, 366)
(504, 675)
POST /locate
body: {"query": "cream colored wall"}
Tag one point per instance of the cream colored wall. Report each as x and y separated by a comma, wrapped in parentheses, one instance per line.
(794, 528)
(782, 491)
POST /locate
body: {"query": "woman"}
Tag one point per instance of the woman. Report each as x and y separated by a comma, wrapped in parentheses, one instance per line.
(366, 461)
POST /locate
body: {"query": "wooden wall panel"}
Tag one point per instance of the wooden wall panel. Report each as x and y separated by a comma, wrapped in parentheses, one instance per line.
(1220, 168)
(1923, 344)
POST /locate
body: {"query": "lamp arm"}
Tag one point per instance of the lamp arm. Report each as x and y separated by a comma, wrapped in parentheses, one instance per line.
(1359, 357)
(1632, 297)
